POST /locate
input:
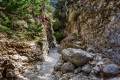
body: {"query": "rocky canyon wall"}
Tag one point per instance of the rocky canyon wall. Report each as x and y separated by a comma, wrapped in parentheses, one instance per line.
(16, 57)
(96, 24)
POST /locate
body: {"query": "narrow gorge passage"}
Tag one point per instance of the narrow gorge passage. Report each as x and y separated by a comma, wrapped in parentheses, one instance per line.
(43, 71)
(48, 65)
(87, 31)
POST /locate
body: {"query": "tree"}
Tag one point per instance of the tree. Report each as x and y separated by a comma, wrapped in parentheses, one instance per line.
(13, 10)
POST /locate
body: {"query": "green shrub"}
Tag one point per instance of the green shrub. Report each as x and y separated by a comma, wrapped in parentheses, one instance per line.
(57, 35)
(56, 25)
(15, 10)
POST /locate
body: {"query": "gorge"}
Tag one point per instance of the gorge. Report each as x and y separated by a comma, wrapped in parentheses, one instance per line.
(88, 33)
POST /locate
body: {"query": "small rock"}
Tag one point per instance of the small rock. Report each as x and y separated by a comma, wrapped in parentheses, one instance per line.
(58, 66)
(99, 63)
(90, 49)
(98, 58)
(94, 78)
(57, 74)
(106, 61)
(80, 77)
(93, 63)
(67, 67)
(67, 76)
(111, 70)
(96, 70)
(76, 71)
(86, 68)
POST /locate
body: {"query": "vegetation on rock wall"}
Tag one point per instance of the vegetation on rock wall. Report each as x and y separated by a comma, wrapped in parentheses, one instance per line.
(60, 17)
(17, 18)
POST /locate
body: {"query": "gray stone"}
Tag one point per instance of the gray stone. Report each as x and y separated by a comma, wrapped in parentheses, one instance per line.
(114, 79)
(78, 70)
(96, 70)
(89, 49)
(99, 63)
(58, 66)
(94, 78)
(57, 74)
(93, 63)
(67, 67)
(86, 68)
(67, 76)
(77, 56)
(80, 77)
(111, 70)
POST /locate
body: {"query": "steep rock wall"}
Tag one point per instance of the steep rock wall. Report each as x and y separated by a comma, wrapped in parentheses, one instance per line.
(97, 24)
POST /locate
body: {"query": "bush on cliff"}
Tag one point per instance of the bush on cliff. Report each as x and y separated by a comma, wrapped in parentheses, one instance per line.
(14, 16)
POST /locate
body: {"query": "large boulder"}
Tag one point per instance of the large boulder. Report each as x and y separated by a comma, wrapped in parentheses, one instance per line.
(77, 56)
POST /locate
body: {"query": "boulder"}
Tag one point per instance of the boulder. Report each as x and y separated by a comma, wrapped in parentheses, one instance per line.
(77, 56)
(67, 67)
(111, 70)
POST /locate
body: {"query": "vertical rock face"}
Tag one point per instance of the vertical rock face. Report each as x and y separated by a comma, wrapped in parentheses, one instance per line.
(97, 23)
(47, 30)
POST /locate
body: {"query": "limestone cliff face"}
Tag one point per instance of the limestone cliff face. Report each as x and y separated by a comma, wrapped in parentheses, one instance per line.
(47, 29)
(97, 24)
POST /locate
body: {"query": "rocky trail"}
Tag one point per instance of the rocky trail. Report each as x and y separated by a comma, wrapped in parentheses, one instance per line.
(48, 65)
(44, 70)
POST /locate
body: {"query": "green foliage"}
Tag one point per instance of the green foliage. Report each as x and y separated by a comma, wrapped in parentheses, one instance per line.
(34, 30)
(4, 29)
(15, 10)
(60, 17)
(21, 7)
(60, 12)
(57, 35)
(56, 25)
